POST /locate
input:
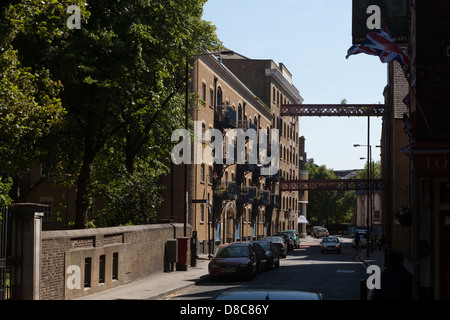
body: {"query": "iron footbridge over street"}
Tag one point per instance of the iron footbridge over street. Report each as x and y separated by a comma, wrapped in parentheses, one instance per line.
(332, 110)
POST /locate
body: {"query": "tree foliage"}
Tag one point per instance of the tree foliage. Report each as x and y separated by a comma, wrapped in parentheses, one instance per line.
(329, 206)
(120, 79)
(375, 171)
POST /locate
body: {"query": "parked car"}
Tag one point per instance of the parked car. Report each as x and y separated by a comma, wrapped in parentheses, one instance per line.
(235, 259)
(314, 231)
(266, 293)
(295, 237)
(287, 240)
(272, 255)
(322, 232)
(261, 257)
(330, 244)
(279, 244)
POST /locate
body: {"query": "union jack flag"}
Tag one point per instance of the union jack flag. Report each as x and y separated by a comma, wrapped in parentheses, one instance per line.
(381, 44)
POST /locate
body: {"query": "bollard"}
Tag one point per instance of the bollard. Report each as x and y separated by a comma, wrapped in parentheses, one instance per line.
(362, 290)
(182, 263)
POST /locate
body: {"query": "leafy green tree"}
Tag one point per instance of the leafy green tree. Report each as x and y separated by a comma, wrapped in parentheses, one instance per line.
(121, 75)
(375, 168)
(328, 206)
(5, 187)
(30, 110)
(133, 199)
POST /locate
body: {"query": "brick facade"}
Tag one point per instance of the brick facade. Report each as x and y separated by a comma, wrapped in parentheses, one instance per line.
(254, 90)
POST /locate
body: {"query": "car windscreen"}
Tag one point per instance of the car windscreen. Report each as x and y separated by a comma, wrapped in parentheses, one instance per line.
(264, 245)
(331, 240)
(231, 252)
(275, 240)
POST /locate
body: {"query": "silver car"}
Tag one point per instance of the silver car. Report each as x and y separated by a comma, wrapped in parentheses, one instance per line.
(322, 232)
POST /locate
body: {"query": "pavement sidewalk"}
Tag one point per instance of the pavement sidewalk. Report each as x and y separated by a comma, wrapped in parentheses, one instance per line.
(377, 257)
(157, 285)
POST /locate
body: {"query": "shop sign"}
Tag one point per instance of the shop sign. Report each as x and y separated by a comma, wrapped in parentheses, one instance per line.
(432, 164)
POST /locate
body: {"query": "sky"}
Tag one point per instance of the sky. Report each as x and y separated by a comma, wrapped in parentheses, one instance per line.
(311, 38)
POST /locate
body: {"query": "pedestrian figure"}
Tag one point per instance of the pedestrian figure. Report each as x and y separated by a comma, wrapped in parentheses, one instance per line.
(381, 243)
(357, 241)
(396, 280)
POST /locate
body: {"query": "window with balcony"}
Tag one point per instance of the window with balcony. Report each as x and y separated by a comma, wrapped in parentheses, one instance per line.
(219, 96)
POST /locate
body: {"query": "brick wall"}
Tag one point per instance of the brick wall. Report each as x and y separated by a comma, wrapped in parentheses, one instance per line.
(433, 66)
(137, 251)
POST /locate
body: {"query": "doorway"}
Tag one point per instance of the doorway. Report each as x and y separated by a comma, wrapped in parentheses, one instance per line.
(445, 255)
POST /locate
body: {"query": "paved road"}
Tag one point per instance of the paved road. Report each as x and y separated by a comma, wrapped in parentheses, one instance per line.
(334, 275)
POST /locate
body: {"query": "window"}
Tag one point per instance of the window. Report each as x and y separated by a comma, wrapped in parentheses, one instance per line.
(47, 209)
(203, 132)
(211, 98)
(210, 175)
(115, 266)
(202, 213)
(219, 96)
(101, 269)
(87, 272)
(239, 113)
(204, 92)
(202, 172)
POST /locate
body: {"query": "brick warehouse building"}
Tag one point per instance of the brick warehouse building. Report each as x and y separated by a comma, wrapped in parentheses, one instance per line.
(419, 178)
(244, 204)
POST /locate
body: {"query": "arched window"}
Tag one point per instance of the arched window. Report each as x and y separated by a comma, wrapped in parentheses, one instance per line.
(219, 96)
(239, 113)
(203, 131)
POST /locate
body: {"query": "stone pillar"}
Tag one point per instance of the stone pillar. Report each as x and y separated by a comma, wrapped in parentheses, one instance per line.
(26, 249)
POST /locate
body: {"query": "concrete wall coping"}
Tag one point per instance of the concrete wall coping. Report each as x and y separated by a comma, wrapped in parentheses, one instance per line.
(80, 233)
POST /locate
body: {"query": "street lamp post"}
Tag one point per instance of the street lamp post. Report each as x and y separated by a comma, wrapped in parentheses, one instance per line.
(369, 196)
